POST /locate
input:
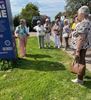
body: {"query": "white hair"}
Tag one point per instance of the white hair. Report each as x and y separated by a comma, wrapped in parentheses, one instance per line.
(84, 10)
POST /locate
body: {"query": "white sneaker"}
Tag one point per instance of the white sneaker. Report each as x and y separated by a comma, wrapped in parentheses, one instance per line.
(77, 81)
(58, 47)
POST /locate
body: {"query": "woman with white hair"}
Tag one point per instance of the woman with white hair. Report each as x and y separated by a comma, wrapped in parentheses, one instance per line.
(82, 43)
(22, 33)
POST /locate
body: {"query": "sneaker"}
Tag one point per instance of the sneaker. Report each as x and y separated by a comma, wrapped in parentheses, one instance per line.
(77, 81)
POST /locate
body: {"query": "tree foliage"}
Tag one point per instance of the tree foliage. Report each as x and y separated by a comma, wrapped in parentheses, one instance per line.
(73, 5)
(28, 12)
(16, 20)
(59, 14)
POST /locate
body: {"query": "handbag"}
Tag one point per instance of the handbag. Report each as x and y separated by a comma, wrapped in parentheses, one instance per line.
(77, 68)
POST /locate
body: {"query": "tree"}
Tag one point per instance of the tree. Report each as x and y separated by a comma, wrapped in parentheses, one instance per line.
(28, 12)
(73, 5)
(16, 20)
(59, 14)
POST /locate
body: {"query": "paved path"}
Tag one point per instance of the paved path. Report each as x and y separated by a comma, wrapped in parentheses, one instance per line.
(88, 55)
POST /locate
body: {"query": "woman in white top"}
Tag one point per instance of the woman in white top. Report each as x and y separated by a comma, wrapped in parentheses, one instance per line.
(82, 43)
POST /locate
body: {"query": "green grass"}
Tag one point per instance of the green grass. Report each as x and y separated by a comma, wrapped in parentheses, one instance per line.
(43, 75)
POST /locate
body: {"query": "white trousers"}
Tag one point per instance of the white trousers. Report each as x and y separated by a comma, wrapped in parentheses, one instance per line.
(57, 41)
(47, 38)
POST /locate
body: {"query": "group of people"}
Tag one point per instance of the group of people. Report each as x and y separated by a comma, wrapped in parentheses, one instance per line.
(43, 33)
(79, 34)
(56, 30)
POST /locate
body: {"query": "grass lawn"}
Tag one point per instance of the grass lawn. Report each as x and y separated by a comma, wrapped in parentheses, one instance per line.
(42, 75)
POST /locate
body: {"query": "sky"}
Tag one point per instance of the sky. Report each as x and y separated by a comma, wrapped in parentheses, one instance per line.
(46, 7)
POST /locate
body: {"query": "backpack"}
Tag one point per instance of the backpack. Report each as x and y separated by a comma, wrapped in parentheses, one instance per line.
(24, 29)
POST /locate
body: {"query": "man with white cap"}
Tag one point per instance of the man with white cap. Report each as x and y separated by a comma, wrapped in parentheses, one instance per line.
(47, 27)
(40, 33)
(82, 43)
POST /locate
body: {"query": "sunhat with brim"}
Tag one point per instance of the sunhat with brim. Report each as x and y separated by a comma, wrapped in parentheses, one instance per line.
(84, 9)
